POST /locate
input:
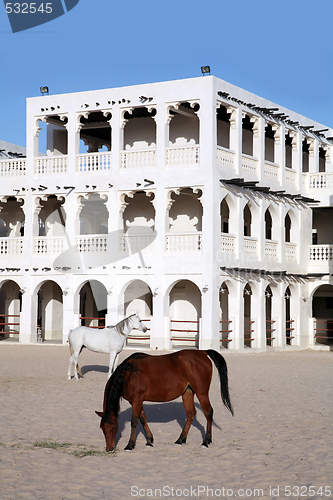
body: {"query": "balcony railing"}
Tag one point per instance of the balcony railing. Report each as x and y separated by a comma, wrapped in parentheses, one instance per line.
(92, 243)
(250, 165)
(320, 254)
(188, 155)
(135, 243)
(290, 176)
(12, 168)
(250, 245)
(271, 171)
(93, 162)
(49, 245)
(49, 165)
(138, 159)
(183, 242)
(290, 251)
(225, 157)
(271, 249)
(322, 180)
(227, 242)
(11, 247)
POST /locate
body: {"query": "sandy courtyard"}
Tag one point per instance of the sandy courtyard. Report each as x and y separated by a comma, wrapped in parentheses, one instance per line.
(278, 445)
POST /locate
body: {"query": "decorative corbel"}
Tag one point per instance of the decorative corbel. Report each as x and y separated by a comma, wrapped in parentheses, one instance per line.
(256, 125)
(169, 194)
(169, 107)
(123, 203)
(79, 125)
(233, 117)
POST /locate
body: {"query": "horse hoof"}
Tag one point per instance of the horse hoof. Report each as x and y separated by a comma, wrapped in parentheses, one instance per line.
(149, 444)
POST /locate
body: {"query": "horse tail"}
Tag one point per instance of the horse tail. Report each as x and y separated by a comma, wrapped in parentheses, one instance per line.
(222, 368)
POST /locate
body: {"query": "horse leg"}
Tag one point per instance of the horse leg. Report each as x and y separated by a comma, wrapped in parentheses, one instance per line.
(136, 412)
(208, 411)
(149, 434)
(112, 362)
(188, 402)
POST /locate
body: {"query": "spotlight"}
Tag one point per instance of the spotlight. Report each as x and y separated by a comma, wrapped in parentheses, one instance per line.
(205, 70)
(44, 90)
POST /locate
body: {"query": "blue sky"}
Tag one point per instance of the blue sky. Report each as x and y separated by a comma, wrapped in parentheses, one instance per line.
(281, 50)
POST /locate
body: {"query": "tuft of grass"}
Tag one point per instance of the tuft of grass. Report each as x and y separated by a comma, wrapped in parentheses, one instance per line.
(51, 445)
(88, 453)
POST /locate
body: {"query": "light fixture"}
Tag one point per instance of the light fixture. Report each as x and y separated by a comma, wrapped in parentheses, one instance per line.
(44, 90)
(205, 289)
(205, 70)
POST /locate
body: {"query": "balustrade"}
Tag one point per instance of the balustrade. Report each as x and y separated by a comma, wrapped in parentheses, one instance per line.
(138, 159)
(321, 180)
(225, 157)
(11, 247)
(92, 243)
(271, 249)
(49, 165)
(183, 242)
(12, 168)
(53, 245)
(250, 165)
(250, 245)
(136, 243)
(321, 253)
(93, 162)
(271, 171)
(183, 155)
(228, 242)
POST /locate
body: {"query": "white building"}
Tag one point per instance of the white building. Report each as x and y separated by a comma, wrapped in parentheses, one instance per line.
(204, 207)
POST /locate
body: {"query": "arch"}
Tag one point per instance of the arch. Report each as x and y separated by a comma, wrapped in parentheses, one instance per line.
(92, 298)
(185, 314)
(268, 316)
(94, 215)
(49, 312)
(185, 213)
(268, 225)
(225, 322)
(223, 127)
(138, 297)
(322, 312)
(247, 136)
(139, 129)
(225, 215)
(95, 132)
(184, 125)
(247, 217)
(10, 308)
(248, 323)
(289, 321)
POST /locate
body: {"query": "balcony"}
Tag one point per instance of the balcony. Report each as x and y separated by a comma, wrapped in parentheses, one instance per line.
(92, 243)
(250, 165)
(49, 245)
(250, 246)
(11, 247)
(271, 250)
(12, 168)
(131, 244)
(138, 159)
(183, 242)
(271, 171)
(227, 242)
(321, 258)
(50, 165)
(93, 162)
(225, 158)
(182, 156)
(322, 180)
(291, 251)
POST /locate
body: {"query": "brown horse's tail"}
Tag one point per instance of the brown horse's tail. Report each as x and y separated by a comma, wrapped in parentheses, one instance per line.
(221, 366)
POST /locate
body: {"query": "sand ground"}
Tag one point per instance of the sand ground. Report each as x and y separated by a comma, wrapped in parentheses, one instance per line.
(51, 446)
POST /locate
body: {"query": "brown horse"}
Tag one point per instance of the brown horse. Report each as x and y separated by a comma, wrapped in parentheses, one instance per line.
(142, 377)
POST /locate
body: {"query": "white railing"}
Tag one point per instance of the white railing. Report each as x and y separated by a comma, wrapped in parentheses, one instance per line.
(321, 181)
(93, 162)
(12, 168)
(271, 171)
(250, 164)
(51, 165)
(250, 245)
(188, 155)
(227, 242)
(92, 243)
(321, 253)
(290, 176)
(271, 249)
(138, 159)
(290, 251)
(225, 157)
(135, 243)
(51, 245)
(183, 242)
(10, 247)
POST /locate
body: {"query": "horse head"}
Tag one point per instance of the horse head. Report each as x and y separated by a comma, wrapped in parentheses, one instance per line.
(137, 323)
(109, 426)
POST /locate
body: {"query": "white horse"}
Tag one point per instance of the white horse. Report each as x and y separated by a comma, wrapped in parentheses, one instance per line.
(109, 340)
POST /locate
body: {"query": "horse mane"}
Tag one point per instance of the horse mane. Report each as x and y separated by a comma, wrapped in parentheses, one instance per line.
(115, 385)
(119, 326)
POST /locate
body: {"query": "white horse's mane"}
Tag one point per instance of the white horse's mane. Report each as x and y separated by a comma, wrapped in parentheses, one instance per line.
(120, 326)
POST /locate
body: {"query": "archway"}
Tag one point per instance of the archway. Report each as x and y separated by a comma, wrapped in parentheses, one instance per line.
(49, 312)
(10, 308)
(248, 330)
(224, 316)
(138, 298)
(322, 312)
(93, 304)
(185, 314)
